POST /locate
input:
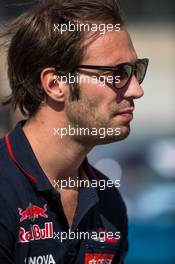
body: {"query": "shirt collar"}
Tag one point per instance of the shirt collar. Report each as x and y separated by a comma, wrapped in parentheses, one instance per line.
(25, 156)
(28, 163)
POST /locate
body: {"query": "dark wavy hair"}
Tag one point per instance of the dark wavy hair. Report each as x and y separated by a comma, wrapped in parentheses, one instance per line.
(33, 45)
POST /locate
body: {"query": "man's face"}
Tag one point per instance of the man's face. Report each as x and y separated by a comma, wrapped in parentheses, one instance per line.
(101, 106)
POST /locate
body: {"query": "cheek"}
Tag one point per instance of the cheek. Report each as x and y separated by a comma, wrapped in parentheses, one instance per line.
(99, 95)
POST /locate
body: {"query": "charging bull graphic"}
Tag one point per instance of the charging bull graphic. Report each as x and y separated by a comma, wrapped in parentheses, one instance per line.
(32, 212)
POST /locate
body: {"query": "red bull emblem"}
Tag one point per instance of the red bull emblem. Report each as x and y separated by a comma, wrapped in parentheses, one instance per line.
(36, 233)
(32, 212)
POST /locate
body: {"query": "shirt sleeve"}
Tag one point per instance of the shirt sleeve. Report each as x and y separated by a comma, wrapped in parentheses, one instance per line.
(7, 231)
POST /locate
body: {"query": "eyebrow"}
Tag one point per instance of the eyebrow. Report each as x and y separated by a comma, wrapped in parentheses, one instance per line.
(115, 64)
(95, 67)
(123, 62)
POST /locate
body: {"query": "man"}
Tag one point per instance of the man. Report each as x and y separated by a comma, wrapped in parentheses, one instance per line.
(41, 222)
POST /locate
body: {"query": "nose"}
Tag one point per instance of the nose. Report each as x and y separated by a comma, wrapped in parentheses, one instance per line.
(133, 90)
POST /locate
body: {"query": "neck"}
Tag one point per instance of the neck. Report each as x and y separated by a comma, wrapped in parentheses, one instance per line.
(59, 158)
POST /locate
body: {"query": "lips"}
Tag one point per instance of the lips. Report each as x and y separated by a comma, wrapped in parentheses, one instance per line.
(126, 114)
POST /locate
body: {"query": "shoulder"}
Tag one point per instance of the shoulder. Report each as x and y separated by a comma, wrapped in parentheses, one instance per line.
(7, 197)
(108, 188)
(7, 167)
(111, 203)
(12, 185)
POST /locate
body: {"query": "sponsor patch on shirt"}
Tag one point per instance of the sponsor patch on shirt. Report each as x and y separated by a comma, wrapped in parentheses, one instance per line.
(98, 258)
(46, 259)
(32, 212)
(36, 233)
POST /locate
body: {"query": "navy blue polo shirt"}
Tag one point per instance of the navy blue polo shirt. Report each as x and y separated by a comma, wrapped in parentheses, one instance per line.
(33, 226)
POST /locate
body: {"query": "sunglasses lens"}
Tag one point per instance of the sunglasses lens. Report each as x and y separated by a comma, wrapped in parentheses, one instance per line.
(124, 73)
(140, 70)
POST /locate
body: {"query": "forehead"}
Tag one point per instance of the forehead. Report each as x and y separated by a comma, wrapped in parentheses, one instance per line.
(110, 49)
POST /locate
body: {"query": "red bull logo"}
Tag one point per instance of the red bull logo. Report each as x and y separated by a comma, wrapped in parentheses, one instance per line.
(36, 233)
(32, 212)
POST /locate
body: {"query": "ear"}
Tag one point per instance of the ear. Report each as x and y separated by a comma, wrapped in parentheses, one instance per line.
(51, 85)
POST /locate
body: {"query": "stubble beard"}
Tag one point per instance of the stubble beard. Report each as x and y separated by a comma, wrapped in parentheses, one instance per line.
(83, 113)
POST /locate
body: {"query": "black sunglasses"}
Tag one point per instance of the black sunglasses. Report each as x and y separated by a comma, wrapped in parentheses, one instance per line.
(122, 73)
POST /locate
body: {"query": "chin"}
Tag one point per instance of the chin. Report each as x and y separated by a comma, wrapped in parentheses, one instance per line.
(125, 131)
